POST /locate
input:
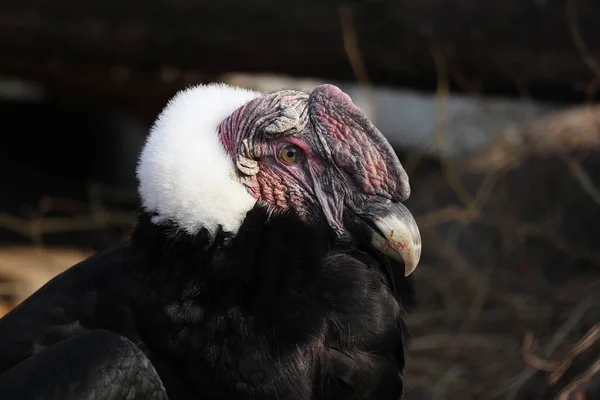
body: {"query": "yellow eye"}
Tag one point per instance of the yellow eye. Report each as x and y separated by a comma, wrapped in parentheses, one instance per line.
(289, 154)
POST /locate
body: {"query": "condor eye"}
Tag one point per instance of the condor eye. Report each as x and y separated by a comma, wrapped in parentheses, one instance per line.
(289, 154)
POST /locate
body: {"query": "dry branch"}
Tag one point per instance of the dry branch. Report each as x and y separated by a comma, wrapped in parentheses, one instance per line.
(577, 129)
(557, 339)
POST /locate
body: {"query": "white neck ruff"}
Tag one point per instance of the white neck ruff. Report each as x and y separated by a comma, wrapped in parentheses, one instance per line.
(185, 176)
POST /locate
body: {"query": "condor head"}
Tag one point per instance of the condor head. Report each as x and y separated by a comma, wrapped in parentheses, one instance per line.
(223, 149)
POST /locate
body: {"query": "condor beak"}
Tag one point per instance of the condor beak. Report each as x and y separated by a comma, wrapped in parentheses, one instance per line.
(394, 233)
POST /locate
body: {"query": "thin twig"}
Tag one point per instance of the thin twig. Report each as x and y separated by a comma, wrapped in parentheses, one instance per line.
(588, 59)
(582, 178)
(441, 98)
(351, 47)
(29, 228)
(532, 359)
(589, 339)
(566, 393)
(557, 339)
(447, 214)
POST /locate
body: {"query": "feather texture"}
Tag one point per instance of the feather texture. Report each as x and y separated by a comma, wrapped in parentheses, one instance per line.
(282, 310)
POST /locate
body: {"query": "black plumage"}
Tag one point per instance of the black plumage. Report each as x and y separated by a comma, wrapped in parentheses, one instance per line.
(285, 309)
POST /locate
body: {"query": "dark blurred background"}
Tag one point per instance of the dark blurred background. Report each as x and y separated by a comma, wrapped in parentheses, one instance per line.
(489, 104)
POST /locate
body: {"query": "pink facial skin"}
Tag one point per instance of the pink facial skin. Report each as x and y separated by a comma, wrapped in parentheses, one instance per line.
(346, 175)
(341, 158)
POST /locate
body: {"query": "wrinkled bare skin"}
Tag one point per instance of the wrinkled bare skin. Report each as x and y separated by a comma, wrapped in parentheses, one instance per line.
(344, 164)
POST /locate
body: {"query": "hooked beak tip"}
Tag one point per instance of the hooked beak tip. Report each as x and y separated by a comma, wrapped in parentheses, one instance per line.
(397, 236)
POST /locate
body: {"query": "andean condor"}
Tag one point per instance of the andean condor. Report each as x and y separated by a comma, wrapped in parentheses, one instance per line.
(270, 261)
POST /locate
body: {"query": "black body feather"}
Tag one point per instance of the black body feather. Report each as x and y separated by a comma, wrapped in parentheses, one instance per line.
(282, 310)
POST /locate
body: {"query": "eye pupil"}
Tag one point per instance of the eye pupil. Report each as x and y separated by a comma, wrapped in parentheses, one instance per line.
(289, 154)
